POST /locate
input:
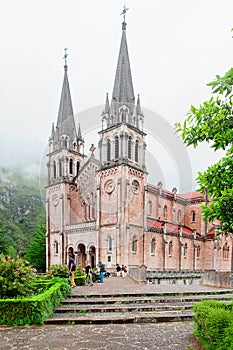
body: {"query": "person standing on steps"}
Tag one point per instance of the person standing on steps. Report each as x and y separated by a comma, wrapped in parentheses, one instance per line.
(123, 271)
(102, 271)
(88, 275)
(71, 268)
(118, 270)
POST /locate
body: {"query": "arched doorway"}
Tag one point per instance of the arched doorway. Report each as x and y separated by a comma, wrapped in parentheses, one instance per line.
(82, 256)
(92, 252)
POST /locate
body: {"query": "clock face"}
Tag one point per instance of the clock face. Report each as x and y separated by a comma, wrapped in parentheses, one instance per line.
(109, 186)
(135, 186)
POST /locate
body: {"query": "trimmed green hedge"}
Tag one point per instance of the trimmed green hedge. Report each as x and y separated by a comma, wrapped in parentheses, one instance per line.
(80, 280)
(35, 309)
(214, 324)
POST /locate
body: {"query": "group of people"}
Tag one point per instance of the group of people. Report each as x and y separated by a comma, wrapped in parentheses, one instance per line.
(89, 273)
(121, 270)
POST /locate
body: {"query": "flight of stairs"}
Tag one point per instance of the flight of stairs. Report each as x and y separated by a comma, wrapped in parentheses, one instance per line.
(131, 308)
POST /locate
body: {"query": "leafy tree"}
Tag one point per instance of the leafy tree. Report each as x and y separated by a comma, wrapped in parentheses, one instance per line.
(36, 253)
(10, 251)
(3, 240)
(213, 122)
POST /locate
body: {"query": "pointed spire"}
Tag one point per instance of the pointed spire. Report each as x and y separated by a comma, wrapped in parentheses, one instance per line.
(138, 109)
(52, 133)
(65, 121)
(106, 109)
(123, 86)
(79, 137)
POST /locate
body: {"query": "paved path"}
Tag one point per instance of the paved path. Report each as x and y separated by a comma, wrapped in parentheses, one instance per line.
(162, 336)
(119, 285)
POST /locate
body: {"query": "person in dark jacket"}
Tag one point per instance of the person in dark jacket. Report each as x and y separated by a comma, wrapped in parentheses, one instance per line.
(88, 275)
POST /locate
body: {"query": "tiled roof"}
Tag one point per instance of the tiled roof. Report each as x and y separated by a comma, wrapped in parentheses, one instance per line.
(211, 233)
(190, 195)
(170, 227)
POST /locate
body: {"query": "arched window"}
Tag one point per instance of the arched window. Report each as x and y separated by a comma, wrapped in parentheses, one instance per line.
(56, 247)
(136, 150)
(108, 150)
(71, 166)
(65, 143)
(152, 246)
(60, 168)
(179, 215)
(170, 248)
(185, 250)
(198, 251)
(110, 244)
(77, 168)
(54, 170)
(134, 244)
(149, 208)
(165, 211)
(130, 147)
(193, 216)
(93, 211)
(116, 147)
(226, 251)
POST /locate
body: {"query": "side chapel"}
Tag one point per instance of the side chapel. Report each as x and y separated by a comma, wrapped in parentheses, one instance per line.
(105, 210)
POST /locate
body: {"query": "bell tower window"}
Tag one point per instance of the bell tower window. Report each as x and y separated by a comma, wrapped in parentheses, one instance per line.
(136, 150)
(54, 170)
(130, 148)
(71, 166)
(108, 150)
(116, 147)
(60, 168)
(77, 168)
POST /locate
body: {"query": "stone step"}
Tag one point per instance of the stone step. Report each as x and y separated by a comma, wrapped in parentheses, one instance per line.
(132, 307)
(144, 300)
(106, 318)
(124, 308)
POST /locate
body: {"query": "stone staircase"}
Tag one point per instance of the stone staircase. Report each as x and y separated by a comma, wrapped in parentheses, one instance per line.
(132, 307)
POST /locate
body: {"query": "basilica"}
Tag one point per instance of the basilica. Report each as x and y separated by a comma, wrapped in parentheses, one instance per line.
(106, 210)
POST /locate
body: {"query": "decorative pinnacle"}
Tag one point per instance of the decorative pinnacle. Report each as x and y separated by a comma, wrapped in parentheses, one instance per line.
(123, 14)
(65, 58)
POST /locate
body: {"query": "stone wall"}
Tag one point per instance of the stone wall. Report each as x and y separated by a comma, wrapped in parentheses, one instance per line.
(220, 279)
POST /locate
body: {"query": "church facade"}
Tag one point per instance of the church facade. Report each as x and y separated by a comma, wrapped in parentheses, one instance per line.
(105, 210)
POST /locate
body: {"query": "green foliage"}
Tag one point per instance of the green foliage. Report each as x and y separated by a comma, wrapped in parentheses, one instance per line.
(36, 253)
(212, 122)
(36, 309)
(3, 240)
(21, 210)
(15, 278)
(80, 280)
(58, 270)
(10, 251)
(214, 324)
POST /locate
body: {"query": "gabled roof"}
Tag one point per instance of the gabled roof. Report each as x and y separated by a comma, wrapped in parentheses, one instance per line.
(170, 227)
(186, 196)
(211, 233)
(191, 195)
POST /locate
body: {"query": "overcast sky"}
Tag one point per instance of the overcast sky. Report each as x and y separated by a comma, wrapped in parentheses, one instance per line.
(175, 49)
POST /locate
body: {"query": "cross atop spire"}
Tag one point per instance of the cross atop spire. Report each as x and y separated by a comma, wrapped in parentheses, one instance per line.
(65, 58)
(123, 14)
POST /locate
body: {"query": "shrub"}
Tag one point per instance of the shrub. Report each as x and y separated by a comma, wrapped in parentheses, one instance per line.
(36, 309)
(80, 280)
(58, 270)
(16, 278)
(214, 324)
